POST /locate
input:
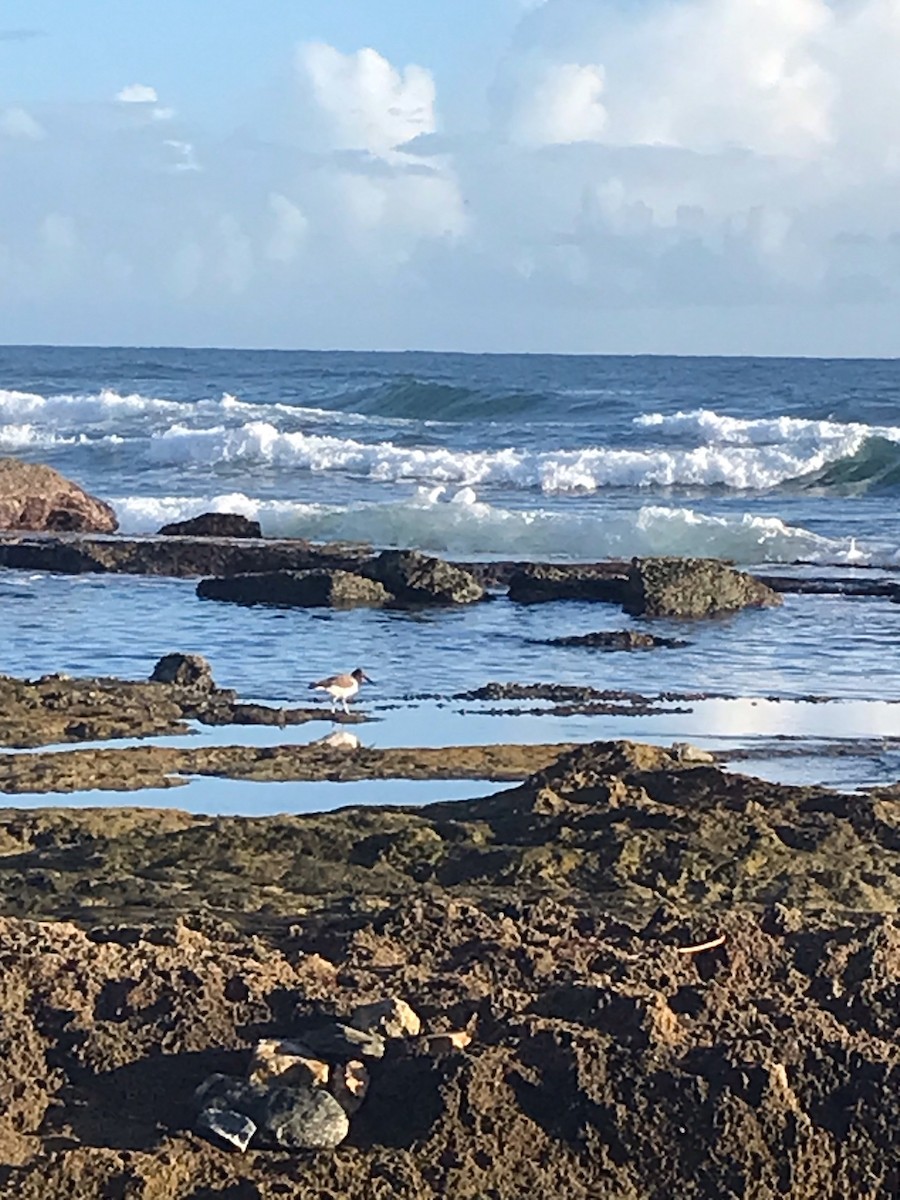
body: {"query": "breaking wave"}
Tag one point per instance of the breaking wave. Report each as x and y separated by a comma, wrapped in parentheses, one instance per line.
(694, 450)
(588, 469)
(462, 525)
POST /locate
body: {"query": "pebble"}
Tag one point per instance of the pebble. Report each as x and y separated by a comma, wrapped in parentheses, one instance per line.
(446, 1043)
(286, 1063)
(392, 1018)
(223, 1126)
(301, 1118)
(349, 1085)
(341, 1043)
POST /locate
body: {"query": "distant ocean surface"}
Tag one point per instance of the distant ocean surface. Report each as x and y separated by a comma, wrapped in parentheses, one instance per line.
(761, 461)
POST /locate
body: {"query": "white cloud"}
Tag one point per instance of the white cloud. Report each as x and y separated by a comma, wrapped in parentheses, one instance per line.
(137, 93)
(562, 104)
(699, 159)
(361, 102)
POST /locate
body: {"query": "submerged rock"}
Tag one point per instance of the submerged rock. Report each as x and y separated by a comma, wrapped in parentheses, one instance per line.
(416, 578)
(618, 639)
(300, 589)
(691, 587)
(228, 525)
(36, 497)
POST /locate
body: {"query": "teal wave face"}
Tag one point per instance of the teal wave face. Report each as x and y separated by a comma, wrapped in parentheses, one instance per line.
(874, 468)
(410, 398)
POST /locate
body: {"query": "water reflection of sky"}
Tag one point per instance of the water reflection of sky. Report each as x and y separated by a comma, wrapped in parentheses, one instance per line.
(841, 744)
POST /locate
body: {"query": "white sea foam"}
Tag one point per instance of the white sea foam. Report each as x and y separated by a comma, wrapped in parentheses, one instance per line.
(731, 453)
(717, 429)
(580, 470)
(86, 413)
(463, 525)
(21, 437)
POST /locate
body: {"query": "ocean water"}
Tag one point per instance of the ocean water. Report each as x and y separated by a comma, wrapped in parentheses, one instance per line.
(572, 458)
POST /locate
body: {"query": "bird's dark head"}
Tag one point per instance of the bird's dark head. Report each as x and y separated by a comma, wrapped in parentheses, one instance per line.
(361, 677)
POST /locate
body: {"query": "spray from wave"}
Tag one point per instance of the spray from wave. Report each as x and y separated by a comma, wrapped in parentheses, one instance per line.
(462, 525)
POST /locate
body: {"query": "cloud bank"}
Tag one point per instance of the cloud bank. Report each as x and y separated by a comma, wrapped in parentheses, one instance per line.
(674, 174)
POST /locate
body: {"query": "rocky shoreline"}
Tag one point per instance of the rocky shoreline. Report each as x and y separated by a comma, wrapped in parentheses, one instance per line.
(633, 974)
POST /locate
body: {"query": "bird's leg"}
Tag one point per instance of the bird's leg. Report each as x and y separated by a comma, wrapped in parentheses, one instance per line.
(346, 709)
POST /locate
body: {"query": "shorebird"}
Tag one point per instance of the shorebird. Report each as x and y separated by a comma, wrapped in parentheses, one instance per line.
(341, 687)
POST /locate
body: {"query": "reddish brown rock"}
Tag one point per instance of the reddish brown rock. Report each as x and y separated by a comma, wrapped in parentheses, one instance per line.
(33, 496)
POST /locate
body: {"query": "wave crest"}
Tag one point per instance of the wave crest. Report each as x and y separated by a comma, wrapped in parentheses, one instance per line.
(465, 526)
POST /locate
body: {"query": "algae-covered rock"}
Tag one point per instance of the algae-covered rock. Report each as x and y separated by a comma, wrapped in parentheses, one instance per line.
(538, 583)
(692, 587)
(296, 589)
(184, 670)
(618, 639)
(416, 578)
(222, 525)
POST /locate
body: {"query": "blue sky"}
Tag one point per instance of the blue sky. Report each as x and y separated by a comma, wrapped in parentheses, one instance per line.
(575, 175)
(209, 56)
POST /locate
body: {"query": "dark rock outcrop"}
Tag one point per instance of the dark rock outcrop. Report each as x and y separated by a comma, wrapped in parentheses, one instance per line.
(227, 525)
(36, 497)
(296, 589)
(617, 639)
(177, 557)
(184, 670)
(415, 578)
(540, 583)
(691, 587)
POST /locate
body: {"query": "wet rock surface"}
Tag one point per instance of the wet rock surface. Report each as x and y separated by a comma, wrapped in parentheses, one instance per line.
(618, 639)
(538, 583)
(307, 589)
(229, 525)
(36, 497)
(418, 579)
(175, 556)
(135, 767)
(559, 699)
(57, 708)
(691, 587)
(626, 824)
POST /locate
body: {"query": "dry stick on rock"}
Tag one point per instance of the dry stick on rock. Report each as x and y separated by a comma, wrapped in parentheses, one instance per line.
(719, 941)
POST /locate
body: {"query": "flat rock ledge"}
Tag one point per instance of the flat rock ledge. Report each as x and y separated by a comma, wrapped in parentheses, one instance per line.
(399, 579)
(57, 708)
